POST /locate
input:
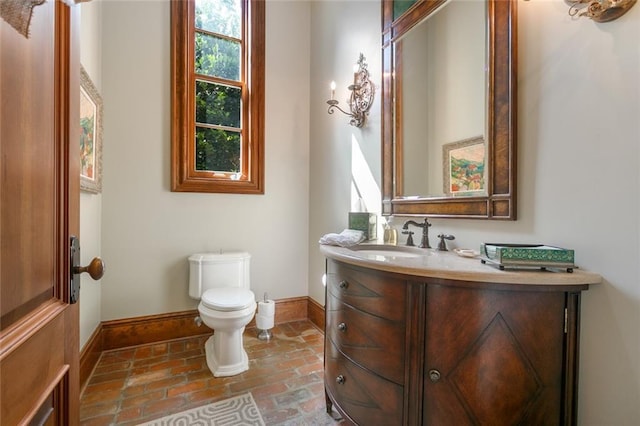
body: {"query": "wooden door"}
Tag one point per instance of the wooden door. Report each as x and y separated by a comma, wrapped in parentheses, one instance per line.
(39, 192)
(493, 357)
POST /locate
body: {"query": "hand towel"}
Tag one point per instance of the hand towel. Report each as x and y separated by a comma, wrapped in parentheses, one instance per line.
(348, 237)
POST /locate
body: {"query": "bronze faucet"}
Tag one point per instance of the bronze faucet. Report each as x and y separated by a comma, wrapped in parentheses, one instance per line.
(409, 238)
(425, 231)
(442, 245)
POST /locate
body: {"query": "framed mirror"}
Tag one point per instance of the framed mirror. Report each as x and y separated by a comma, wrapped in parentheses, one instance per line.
(449, 108)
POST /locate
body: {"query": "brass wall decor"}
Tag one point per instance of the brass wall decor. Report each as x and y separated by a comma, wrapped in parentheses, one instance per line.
(362, 92)
(600, 10)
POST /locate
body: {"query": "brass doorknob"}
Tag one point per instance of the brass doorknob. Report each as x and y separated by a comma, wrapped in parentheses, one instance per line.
(95, 268)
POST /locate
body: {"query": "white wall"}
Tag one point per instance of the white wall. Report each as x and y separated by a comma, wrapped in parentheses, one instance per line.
(345, 159)
(578, 171)
(149, 231)
(90, 204)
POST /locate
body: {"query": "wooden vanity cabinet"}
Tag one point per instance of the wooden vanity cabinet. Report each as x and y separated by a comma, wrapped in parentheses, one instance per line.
(412, 350)
(369, 326)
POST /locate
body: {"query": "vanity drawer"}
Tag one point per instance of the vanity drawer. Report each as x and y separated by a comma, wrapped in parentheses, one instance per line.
(375, 343)
(377, 293)
(368, 398)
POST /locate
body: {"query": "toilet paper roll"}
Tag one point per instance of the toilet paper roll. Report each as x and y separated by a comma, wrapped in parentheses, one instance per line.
(267, 307)
(264, 322)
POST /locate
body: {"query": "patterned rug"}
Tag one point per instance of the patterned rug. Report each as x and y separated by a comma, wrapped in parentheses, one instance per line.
(237, 411)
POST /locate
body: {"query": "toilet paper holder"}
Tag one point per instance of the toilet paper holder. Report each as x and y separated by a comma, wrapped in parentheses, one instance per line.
(265, 318)
(264, 335)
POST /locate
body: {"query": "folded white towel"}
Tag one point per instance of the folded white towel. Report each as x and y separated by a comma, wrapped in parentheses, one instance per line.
(348, 237)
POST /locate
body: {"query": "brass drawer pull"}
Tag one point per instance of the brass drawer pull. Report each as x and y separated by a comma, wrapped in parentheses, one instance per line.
(340, 379)
(342, 327)
(434, 375)
(343, 284)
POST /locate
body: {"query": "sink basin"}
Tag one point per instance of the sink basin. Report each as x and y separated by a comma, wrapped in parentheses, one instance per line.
(387, 251)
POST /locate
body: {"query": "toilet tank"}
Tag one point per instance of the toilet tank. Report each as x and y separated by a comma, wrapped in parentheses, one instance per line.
(214, 270)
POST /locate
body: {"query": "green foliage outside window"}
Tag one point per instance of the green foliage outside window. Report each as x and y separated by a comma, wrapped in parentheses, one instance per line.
(217, 150)
(219, 16)
(218, 105)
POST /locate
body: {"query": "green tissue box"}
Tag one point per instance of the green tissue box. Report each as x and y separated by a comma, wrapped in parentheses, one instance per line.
(527, 255)
(365, 222)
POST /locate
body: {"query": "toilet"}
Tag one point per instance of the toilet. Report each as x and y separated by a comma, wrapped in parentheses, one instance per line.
(221, 282)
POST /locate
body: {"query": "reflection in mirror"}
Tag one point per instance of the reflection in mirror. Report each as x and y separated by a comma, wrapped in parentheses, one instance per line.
(441, 100)
(449, 109)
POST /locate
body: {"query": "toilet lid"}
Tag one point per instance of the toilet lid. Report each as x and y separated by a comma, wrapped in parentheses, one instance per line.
(228, 299)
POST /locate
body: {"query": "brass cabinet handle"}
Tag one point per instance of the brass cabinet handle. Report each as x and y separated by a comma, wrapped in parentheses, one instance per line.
(340, 379)
(434, 375)
(343, 284)
(342, 327)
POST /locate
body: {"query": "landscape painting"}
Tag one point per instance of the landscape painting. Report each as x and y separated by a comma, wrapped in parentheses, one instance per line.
(464, 167)
(90, 135)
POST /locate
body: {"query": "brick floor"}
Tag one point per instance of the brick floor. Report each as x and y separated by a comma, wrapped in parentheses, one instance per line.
(134, 385)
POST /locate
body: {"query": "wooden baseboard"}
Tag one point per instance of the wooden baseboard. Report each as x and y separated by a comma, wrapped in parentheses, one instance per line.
(122, 333)
(315, 314)
(292, 309)
(127, 332)
(90, 355)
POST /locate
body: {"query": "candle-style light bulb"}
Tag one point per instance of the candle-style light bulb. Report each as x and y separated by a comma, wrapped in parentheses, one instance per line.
(333, 90)
(356, 67)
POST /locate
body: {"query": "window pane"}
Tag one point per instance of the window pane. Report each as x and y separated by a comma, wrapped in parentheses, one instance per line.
(217, 57)
(218, 104)
(217, 150)
(219, 16)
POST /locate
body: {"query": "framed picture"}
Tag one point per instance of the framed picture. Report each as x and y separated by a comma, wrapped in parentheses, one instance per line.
(464, 167)
(90, 135)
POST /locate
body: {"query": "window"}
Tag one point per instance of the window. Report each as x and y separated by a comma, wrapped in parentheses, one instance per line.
(217, 88)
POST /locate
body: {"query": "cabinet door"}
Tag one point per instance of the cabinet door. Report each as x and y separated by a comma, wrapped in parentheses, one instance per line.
(493, 357)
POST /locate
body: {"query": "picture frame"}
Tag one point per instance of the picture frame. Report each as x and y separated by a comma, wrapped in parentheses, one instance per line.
(90, 135)
(463, 164)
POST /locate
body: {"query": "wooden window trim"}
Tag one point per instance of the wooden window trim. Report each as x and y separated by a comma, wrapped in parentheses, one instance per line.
(184, 177)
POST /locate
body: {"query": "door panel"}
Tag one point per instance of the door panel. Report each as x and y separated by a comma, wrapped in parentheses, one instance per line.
(30, 381)
(39, 195)
(28, 167)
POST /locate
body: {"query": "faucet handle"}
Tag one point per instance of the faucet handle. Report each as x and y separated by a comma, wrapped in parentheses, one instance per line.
(409, 238)
(442, 245)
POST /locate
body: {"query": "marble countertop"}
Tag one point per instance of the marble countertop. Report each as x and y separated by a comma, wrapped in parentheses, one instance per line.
(451, 266)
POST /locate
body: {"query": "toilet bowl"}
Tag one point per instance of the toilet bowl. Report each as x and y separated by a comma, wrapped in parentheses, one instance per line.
(221, 282)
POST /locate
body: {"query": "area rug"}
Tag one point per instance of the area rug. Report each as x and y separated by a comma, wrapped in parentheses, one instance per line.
(237, 411)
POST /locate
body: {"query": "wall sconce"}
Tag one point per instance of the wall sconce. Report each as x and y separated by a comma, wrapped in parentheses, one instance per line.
(600, 10)
(361, 98)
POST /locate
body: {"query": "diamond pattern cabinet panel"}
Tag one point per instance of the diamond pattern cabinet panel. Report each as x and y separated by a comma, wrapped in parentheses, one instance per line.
(498, 354)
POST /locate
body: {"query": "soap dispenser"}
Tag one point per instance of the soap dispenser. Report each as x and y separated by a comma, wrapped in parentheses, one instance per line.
(390, 234)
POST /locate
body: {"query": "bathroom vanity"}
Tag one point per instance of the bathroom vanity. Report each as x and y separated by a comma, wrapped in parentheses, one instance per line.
(421, 337)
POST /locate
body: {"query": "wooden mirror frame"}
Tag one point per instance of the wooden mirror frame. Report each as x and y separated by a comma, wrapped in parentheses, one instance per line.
(500, 201)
